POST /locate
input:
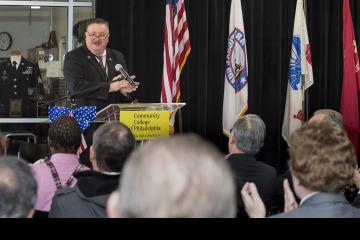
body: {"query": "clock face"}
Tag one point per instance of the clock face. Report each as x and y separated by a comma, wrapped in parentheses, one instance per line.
(5, 41)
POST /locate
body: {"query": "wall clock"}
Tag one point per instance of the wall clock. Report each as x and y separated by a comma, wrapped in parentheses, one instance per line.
(5, 41)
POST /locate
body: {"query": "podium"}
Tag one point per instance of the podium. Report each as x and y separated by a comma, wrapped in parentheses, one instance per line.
(145, 120)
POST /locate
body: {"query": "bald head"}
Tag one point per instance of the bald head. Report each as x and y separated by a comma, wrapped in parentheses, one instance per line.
(328, 115)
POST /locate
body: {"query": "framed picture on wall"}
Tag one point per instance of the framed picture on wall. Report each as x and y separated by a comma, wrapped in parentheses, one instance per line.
(15, 108)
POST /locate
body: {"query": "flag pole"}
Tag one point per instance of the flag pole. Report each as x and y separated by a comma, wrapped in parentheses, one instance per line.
(180, 121)
(306, 95)
(304, 99)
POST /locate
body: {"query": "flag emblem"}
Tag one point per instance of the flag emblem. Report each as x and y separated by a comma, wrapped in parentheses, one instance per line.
(236, 65)
(295, 64)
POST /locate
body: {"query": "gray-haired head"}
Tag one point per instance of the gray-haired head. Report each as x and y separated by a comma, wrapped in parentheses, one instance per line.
(179, 176)
(328, 115)
(18, 188)
(249, 132)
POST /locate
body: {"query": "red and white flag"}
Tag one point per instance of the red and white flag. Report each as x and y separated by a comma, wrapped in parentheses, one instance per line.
(300, 74)
(83, 145)
(176, 50)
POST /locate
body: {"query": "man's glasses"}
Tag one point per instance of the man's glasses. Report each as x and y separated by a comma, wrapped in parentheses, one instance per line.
(101, 35)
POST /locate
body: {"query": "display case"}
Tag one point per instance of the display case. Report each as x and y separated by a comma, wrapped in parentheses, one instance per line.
(43, 31)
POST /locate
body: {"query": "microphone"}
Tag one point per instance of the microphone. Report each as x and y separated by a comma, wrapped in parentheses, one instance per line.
(119, 68)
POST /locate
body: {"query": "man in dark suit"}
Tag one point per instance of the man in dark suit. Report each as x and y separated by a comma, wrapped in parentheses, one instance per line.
(245, 141)
(94, 64)
(322, 162)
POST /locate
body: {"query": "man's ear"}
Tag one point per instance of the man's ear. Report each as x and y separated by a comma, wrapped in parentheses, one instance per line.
(92, 158)
(50, 143)
(232, 138)
(113, 205)
(92, 153)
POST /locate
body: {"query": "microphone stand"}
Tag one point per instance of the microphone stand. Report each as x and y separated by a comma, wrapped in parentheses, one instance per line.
(71, 97)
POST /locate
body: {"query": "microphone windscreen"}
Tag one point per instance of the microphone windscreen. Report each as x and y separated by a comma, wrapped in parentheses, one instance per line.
(118, 67)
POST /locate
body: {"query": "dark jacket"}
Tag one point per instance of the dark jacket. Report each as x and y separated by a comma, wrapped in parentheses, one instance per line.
(87, 199)
(18, 84)
(247, 169)
(323, 205)
(82, 71)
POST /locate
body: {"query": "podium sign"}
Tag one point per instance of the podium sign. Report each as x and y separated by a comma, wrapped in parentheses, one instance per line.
(145, 120)
(146, 125)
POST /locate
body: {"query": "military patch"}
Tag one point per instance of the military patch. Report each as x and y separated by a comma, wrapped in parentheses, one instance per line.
(28, 71)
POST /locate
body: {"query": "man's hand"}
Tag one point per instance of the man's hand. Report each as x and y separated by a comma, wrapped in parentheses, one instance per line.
(123, 85)
(254, 206)
(289, 198)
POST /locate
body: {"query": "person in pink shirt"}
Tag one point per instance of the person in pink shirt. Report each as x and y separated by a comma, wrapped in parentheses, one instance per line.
(57, 171)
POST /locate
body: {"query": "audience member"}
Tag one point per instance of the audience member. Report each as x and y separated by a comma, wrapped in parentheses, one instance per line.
(17, 188)
(112, 144)
(246, 139)
(322, 162)
(179, 176)
(328, 115)
(318, 116)
(57, 172)
(351, 192)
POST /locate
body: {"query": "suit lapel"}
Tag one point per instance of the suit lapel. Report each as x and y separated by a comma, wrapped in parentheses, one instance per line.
(110, 62)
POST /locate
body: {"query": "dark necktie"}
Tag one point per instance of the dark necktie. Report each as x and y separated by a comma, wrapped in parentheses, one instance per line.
(100, 60)
(14, 65)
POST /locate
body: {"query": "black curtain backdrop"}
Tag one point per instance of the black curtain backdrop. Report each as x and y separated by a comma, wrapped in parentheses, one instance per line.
(136, 28)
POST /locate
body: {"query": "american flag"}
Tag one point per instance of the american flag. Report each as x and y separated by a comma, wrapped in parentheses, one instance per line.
(83, 145)
(176, 49)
